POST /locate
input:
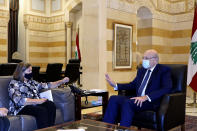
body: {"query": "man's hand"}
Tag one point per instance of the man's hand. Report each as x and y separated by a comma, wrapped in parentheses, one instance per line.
(3, 112)
(139, 100)
(110, 81)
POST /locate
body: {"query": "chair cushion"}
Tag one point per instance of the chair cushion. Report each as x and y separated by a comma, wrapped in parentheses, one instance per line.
(179, 77)
(145, 119)
(59, 117)
(64, 99)
(145, 116)
(8, 69)
(28, 123)
(15, 123)
(4, 97)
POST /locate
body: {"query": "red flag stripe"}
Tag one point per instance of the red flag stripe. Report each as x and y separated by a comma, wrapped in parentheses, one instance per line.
(193, 83)
(77, 44)
(194, 21)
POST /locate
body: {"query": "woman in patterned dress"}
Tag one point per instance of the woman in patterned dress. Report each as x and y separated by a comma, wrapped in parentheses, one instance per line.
(25, 98)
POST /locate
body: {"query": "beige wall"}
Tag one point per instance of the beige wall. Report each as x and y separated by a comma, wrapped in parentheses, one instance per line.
(43, 33)
(76, 26)
(93, 43)
(115, 16)
(163, 30)
(4, 17)
(47, 42)
(172, 44)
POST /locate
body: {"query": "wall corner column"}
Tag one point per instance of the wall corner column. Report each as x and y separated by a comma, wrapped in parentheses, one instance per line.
(69, 40)
(26, 42)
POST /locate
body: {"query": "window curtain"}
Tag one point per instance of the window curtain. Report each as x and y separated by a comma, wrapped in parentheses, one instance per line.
(13, 29)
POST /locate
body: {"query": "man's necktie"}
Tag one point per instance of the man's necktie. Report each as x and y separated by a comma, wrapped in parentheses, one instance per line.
(143, 83)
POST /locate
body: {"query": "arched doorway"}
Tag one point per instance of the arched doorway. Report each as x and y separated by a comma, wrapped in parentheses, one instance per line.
(144, 31)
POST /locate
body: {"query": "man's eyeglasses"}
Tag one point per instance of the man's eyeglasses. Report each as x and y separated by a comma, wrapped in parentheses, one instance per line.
(148, 58)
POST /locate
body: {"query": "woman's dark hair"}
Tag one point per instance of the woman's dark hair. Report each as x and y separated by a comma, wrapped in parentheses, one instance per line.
(20, 69)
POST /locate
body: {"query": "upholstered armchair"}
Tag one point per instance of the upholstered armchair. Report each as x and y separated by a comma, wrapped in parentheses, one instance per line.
(62, 97)
(72, 72)
(53, 72)
(36, 73)
(7, 69)
(172, 109)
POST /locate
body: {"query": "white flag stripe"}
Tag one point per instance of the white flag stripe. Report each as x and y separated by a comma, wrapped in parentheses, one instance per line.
(194, 37)
(192, 69)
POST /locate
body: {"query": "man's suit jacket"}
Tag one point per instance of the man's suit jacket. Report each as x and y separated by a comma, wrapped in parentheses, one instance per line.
(159, 84)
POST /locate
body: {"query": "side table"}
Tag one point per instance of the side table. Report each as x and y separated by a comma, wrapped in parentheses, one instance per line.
(79, 106)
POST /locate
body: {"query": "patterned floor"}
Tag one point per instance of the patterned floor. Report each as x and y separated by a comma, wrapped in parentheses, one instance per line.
(191, 109)
(191, 116)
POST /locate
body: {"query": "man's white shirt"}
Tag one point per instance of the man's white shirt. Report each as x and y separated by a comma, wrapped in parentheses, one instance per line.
(143, 92)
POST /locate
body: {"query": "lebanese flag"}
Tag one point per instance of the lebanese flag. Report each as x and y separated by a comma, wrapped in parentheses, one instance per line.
(77, 44)
(192, 64)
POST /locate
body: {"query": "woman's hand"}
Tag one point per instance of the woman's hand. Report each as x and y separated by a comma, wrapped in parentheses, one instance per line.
(40, 101)
(34, 101)
(58, 83)
(65, 80)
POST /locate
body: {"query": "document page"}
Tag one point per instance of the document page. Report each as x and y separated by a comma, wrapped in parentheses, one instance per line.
(70, 130)
(47, 95)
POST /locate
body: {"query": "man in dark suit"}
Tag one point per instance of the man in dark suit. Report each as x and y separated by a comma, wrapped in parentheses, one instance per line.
(4, 122)
(153, 80)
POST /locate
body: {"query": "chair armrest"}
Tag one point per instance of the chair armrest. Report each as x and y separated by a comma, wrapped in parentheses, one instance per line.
(171, 111)
(65, 101)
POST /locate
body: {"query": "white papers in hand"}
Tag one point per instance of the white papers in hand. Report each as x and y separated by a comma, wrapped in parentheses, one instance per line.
(98, 90)
(47, 95)
(71, 130)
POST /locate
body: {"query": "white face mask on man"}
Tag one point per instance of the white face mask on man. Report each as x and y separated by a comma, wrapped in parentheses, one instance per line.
(146, 64)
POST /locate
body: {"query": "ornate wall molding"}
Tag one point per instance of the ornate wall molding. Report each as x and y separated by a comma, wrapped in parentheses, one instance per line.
(44, 24)
(122, 5)
(4, 18)
(174, 1)
(170, 7)
(168, 10)
(43, 20)
(71, 4)
(4, 13)
(128, 1)
(173, 7)
(68, 24)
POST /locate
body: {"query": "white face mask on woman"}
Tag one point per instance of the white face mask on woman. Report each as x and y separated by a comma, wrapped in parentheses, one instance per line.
(146, 64)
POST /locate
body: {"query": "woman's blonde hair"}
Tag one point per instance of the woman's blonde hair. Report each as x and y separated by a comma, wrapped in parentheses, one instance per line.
(20, 69)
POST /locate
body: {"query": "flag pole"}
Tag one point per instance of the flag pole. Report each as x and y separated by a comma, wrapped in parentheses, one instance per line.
(78, 29)
(194, 94)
